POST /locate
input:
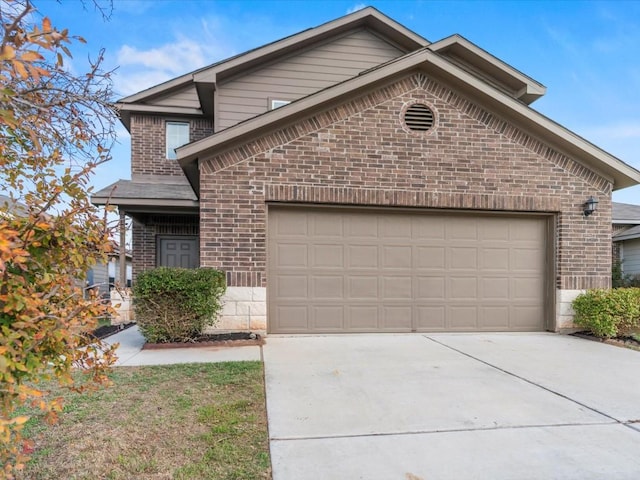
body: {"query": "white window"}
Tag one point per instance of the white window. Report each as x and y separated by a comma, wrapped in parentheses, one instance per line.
(279, 103)
(177, 135)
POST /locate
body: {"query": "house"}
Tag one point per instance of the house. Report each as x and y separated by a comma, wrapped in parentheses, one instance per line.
(356, 177)
(626, 238)
(12, 208)
(103, 276)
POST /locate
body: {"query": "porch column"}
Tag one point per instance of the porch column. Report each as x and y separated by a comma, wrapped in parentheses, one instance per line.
(123, 249)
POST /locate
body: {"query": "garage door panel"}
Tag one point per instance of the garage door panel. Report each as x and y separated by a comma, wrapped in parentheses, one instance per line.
(363, 287)
(294, 225)
(526, 317)
(293, 318)
(429, 258)
(521, 229)
(362, 318)
(362, 256)
(462, 230)
(396, 318)
(462, 318)
(395, 228)
(430, 318)
(327, 256)
(524, 288)
(362, 270)
(396, 287)
(463, 258)
(494, 229)
(362, 227)
(526, 259)
(494, 259)
(327, 226)
(329, 287)
(396, 256)
(432, 230)
(327, 317)
(292, 255)
(430, 288)
(494, 317)
(462, 288)
(290, 287)
(495, 288)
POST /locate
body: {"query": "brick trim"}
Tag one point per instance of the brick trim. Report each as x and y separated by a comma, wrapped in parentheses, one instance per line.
(244, 279)
(408, 198)
(568, 282)
(414, 83)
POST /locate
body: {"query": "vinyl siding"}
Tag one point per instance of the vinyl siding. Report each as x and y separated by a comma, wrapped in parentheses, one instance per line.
(631, 257)
(300, 75)
(187, 97)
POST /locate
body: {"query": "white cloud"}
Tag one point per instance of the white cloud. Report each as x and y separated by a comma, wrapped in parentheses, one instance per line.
(140, 69)
(356, 7)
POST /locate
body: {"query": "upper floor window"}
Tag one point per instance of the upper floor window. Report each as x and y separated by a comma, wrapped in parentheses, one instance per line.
(279, 103)
(177, 135)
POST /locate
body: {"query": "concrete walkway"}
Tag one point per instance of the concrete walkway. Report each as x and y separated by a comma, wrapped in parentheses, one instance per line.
(130, 352)
(452, 406)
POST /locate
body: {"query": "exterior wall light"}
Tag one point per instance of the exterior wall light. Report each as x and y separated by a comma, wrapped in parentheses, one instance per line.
(590, 206)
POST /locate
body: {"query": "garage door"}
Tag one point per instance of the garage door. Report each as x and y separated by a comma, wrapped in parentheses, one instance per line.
(333, 270)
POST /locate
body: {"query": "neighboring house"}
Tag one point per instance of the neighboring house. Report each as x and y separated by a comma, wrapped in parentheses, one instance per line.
(356, 177)
(105, 275)
(626, 238)
(11, 207)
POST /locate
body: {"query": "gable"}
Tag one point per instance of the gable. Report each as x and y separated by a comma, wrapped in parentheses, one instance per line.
(301, 74)
(470, 149)
(186, 97)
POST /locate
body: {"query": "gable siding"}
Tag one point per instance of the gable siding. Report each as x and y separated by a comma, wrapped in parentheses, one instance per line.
(301, 75)
(631, 257)
(187, 97)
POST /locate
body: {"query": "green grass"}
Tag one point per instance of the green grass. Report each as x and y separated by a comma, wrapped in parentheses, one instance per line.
(194, 421)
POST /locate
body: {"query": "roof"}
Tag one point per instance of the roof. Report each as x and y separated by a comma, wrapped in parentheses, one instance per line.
(130, 194)
(206, 78)
(439, 67)
(626, 213)
(628, 234)
(12, 207)
(474, 59)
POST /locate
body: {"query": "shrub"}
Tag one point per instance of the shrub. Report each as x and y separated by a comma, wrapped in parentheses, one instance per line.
(176, 304)
(608, 313)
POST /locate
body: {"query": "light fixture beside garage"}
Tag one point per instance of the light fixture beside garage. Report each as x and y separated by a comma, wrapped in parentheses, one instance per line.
(590, 206)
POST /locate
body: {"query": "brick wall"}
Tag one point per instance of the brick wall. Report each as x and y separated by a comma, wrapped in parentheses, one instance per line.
(144, 236)
(359, 153)
(148, 156)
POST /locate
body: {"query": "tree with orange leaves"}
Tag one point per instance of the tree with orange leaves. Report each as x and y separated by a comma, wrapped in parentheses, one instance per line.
(56, 127)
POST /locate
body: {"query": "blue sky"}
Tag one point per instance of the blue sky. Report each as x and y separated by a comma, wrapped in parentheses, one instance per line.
(585, 53)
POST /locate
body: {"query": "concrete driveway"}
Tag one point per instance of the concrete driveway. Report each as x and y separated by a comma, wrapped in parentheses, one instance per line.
(452, 406)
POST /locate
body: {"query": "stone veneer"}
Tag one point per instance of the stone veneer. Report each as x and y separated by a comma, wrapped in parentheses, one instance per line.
(564, 310)
(244, 308)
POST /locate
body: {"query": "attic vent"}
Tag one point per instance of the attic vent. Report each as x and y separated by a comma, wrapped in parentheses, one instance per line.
(418, 117)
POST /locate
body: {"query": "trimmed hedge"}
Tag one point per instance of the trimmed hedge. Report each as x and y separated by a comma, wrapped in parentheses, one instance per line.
(176, 304)
(608, 313)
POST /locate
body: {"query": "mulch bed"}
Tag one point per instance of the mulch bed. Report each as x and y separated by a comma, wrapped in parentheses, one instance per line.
(624, 341)
(108, 330)
(232, 339)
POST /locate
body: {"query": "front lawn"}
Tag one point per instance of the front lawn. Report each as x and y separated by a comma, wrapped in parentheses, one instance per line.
(193, 421)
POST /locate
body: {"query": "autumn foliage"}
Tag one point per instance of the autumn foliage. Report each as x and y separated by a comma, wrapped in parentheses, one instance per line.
(56, 127)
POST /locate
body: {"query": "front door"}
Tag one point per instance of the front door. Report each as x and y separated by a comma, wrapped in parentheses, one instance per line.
(178, 251)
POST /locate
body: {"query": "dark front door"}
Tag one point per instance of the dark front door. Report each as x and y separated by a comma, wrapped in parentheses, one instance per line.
(178, 251)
